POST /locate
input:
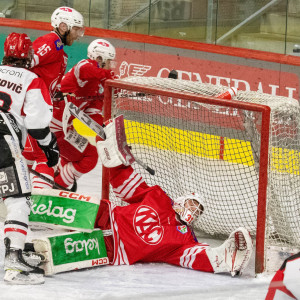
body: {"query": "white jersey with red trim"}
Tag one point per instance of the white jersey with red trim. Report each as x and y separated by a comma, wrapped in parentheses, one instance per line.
(26, 97)
(148, 229)
(285, 284)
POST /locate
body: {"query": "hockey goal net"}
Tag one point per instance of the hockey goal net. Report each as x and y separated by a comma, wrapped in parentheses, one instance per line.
(241, 154)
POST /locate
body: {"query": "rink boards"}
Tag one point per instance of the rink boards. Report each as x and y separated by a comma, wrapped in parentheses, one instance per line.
(216, 147)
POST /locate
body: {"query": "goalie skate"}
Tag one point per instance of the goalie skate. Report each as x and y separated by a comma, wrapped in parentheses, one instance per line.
(233, 255)
(18, 270)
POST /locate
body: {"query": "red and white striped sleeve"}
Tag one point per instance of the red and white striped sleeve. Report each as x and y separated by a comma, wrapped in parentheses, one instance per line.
(127, 184)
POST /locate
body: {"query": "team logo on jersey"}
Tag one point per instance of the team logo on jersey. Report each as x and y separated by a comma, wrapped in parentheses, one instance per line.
(147, 225)
(183, 229)
(58, 44)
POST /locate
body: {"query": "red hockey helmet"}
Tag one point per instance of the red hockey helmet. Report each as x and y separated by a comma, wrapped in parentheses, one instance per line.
(17, 45)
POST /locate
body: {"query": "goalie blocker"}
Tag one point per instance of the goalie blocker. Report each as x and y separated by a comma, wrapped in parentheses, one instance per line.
(123, 149)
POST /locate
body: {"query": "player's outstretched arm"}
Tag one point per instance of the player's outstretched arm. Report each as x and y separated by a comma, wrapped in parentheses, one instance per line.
(116, 155)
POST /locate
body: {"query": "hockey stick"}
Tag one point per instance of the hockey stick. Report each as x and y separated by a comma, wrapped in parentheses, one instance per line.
(98, 129)
(53, 183)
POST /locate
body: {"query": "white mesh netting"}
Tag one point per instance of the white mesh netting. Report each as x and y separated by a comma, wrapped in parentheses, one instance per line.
(215, 150)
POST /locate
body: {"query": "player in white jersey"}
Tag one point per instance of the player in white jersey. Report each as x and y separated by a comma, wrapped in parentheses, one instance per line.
(285, 284)
(25, 106)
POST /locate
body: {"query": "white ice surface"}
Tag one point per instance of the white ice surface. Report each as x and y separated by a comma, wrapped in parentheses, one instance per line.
(140, 281)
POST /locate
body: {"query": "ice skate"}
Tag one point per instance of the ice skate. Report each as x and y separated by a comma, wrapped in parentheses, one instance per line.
(17, 267)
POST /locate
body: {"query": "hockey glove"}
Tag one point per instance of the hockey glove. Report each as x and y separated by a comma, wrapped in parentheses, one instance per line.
(114, 151)
(50, 149)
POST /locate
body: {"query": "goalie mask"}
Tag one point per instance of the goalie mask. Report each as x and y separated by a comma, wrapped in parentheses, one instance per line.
(189, 207)
(69, 16)
(101, 48)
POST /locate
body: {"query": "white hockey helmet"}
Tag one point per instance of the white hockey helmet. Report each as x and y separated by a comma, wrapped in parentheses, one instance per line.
(189, 207)
(67, 15)
(101, 48)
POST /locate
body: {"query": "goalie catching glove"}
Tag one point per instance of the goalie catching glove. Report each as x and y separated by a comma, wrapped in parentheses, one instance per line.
(234, 254)
(114, 150)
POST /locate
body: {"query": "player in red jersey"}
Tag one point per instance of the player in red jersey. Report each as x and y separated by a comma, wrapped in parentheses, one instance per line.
(50, 62)
(153, 227)
(86, 83)
(285, 284)
(50, 59)
(24, 98)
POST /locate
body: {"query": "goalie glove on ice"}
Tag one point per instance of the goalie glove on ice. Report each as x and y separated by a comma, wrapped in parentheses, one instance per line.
(114, 151)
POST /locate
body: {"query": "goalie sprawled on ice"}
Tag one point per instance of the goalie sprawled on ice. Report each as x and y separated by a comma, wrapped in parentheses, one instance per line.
(153, 227)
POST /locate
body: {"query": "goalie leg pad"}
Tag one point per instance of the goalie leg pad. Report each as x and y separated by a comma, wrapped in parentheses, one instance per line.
(76, 140)
(64, 209)
(70, 251)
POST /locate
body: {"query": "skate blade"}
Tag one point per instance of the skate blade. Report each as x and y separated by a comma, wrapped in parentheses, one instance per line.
(16, 277)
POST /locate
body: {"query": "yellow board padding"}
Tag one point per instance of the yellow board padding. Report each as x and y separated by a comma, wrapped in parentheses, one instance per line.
(200, 144)
(285, 161)
(189, 142)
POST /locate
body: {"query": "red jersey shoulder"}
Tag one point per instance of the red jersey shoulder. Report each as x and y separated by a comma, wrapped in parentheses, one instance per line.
(88, 64)
(50, 39)
(92, 62)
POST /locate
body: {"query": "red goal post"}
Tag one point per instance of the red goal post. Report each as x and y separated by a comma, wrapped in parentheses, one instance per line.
(113, 87)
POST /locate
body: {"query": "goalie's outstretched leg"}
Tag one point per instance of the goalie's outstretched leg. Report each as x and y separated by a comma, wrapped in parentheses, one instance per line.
(234, 254)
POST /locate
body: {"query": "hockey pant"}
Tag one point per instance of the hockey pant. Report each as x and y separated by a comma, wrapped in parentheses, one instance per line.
(74, 163)
(15, 187)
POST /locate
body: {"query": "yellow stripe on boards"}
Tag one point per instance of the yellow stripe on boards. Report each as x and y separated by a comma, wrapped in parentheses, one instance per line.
(200, 144)
(188, 142)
